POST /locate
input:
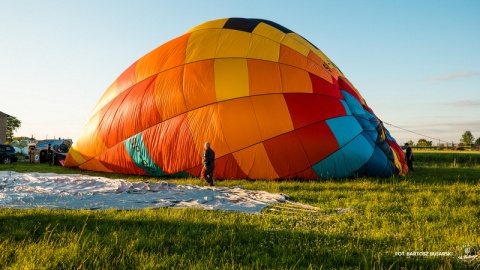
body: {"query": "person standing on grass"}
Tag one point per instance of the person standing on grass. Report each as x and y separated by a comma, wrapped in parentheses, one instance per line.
(409, 157)
(208, 161)
(50, 155)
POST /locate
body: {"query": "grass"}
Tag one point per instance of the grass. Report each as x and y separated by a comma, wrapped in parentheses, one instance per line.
(449, 159)
(434, 209)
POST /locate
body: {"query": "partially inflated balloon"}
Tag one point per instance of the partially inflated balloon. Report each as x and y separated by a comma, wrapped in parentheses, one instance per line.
(270, 103)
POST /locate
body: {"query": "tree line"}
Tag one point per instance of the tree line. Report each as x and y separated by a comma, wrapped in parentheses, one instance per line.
(467, 139)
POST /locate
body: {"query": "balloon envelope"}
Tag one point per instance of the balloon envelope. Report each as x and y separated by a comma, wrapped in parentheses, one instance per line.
(270, 103)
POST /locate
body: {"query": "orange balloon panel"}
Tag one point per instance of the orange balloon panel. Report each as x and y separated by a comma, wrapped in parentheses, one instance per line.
(272, 115)
(169, 96)
(289, 56)
(295, 80)
(255, 163)
(121, 121)
(239, 124)
(268, 101)
(163, 58)
(264, 77)
(171, 141)
(199, 84)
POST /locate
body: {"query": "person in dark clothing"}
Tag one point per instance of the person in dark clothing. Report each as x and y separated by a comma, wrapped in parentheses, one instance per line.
(208, 161)
(409, 157)
(50, 155)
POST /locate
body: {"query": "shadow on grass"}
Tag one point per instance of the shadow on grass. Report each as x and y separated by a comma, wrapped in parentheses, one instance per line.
(160, 239)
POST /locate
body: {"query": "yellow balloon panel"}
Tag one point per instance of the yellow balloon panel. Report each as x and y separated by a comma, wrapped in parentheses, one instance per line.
(231, 78)
(202, 45)
(291, 42)
(263, 48)
(301, 40)
(232, 43)
(215, 24)
(269, 32)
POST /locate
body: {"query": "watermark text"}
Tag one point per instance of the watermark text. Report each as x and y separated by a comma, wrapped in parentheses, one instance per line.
(424, 254)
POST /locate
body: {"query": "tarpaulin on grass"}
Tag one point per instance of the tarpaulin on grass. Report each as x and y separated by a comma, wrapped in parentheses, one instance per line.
(76, 191)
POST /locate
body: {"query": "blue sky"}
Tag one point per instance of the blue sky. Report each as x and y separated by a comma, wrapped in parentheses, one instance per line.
(416, 63)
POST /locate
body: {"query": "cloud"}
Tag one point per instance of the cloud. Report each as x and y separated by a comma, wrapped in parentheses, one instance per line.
(453, 76)
(464, 102)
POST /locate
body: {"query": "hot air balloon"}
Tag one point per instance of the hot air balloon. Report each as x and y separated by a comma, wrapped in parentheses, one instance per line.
(271, 104)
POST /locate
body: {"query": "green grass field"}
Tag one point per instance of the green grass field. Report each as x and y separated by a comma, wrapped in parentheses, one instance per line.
(434, 209)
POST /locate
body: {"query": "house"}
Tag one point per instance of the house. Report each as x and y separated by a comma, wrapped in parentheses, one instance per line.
(3, 127)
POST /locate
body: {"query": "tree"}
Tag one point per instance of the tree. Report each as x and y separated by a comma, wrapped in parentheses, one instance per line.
(467, 138)
(12, 125)
(477, 141)
(21, 138)
(410, 142)
(423, 142)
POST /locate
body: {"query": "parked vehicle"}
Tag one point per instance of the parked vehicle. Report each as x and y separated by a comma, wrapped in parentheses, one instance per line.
(7, 154)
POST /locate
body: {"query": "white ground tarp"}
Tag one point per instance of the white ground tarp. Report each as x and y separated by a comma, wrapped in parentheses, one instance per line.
(76, 191)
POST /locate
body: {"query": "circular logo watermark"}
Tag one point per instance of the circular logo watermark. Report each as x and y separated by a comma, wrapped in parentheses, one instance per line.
(469, 252)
